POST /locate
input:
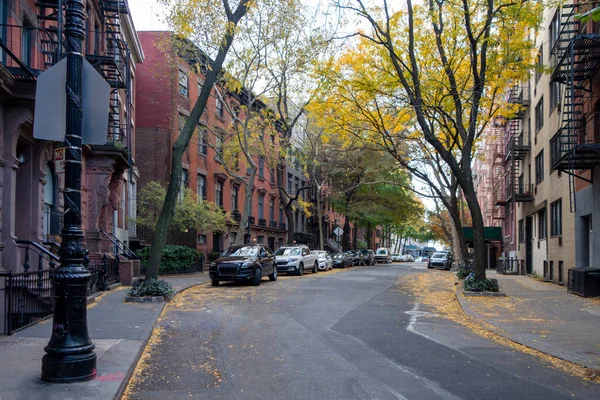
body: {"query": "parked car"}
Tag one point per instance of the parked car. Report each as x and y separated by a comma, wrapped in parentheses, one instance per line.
(342, 260)
(425, 259)
(357, 257)
(324, 259)
(396, 257)
(383, 255)
(247, 263)
(440, 259)
(296, 259)
(407, 258)
(369, 256)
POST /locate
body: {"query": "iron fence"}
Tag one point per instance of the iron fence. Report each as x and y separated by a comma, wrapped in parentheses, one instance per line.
(27, 298)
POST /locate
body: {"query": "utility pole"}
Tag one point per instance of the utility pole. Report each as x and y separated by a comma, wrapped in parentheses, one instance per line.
(70, 355)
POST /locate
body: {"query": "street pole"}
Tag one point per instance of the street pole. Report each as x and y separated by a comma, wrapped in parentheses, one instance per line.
(70, 353)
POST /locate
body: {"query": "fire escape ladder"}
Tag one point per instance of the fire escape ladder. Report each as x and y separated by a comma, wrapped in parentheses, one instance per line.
(51, 35)
(577, 57)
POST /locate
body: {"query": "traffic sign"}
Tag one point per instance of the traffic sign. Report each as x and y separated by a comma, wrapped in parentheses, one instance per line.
(49, 122)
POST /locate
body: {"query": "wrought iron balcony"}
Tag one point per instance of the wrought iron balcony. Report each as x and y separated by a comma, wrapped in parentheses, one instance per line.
(262, 222)
(251, 220)
(282, 226)
(273, 224)
(519, 94)
(27, 50)
(236, 216)
(567, 154)
(519, 193)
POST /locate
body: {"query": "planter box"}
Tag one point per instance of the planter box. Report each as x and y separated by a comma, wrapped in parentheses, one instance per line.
(145, 299)
(484, 294)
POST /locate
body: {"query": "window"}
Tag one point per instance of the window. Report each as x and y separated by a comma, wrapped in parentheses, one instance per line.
(281, 221)
(201, 140)
(539, 168)
(272, 209)
(220, 108)
(261, 167)
(201, 239)
(26, 42)
(556, 218)
(272, 171)
(182, 121)
(303, 219)
(289, 185)
(539, 65)
(539, 115)
(201, 186)
(542, 224)
(554, 30)
(219, 193)
(296, 185)
(261, 202)
(219, 146)
(260, 239)
(184, 183)
(234, 197)
(521, 231)
(273, 140)
(554, 95)
(183, 83)
(200, 85)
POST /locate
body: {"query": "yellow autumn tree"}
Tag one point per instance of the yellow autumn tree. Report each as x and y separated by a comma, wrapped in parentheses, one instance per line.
(427, 78)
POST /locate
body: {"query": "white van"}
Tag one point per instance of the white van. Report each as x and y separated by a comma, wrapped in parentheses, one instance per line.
(383, 255)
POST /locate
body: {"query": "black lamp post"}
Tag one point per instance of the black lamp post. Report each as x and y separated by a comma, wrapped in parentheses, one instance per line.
(70, 353)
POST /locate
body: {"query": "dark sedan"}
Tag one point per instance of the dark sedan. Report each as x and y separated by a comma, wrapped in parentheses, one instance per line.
(342, 260)
(246, 263)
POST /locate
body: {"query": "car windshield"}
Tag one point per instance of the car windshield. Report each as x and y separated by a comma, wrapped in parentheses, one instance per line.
(439, 255)
(382, 251)
(243, 251)
(288, 251)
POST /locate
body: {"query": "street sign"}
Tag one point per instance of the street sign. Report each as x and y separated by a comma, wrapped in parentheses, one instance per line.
(49, 122)
(59, 160)
(338, 231)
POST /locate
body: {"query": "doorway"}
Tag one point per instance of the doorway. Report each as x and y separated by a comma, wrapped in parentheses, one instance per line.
(529, 245)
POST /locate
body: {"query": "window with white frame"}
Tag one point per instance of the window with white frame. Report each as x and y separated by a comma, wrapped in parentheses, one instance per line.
(183, 83)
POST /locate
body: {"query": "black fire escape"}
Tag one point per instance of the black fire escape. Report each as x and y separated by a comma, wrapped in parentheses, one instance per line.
(516, 140)
(576, 56)
(110, 56)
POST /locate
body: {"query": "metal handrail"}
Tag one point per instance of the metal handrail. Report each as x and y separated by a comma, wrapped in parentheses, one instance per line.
(38, 246)
(127, 252)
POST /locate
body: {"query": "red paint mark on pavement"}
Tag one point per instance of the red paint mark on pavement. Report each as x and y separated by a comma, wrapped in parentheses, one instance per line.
(117, 376)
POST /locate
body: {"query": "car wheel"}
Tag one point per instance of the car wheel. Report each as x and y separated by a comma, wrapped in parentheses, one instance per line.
(315, 268)
(214, 282)
(300, 269)
(429, 266)
(273, 276)
(257, 277)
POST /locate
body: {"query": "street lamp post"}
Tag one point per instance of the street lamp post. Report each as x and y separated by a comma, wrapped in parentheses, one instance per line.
(70, 355)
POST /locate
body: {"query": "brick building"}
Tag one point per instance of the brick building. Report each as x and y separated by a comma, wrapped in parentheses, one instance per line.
(167, 88)
(31, 181)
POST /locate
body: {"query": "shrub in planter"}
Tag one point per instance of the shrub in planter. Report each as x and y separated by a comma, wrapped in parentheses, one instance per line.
(213, 256)
(487, 285)
(151, 287)
(174, 258)
(462, 273)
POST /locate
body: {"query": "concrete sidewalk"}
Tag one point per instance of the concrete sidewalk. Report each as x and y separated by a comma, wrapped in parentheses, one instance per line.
(542, 316)
(119, 330)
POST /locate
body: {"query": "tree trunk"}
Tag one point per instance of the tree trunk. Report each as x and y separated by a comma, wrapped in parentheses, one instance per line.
(479, 253)
(320, 217)
(346, 234)
(369, 235)
(243, 229)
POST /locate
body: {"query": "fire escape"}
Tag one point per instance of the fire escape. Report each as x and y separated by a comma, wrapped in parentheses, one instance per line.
(576, 57)
(516, 141)
(110, 56)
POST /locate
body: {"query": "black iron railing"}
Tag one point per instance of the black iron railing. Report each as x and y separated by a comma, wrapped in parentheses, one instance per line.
(273, 224)
(21, 44)
(509, 266)
(120, 246)
(262, 222)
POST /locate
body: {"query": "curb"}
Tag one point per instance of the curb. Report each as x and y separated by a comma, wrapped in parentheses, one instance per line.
(128, 375)
(517, 339)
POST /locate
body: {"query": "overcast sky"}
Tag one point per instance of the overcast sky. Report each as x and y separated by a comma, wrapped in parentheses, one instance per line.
(146, 15)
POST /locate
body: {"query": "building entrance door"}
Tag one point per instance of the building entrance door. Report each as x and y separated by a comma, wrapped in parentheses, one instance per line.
(529, 245)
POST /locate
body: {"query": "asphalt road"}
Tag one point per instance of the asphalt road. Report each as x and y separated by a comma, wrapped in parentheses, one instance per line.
(354, 334)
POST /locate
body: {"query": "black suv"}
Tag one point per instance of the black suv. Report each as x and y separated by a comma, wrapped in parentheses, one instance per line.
(244, 263)
(369, 256)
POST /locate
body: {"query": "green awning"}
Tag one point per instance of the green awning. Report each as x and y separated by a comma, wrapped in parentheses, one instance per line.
(490, 233)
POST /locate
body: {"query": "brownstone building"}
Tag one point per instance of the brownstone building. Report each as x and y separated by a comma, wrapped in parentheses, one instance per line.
(31, 180)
